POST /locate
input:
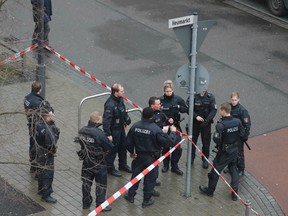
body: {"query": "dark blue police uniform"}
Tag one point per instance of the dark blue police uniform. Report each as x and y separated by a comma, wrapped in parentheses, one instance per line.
(160, 118)
(205, 107)
(172, 106)
(115, 118)
(47, 135)
(94, 146)
(228, 132)
(241, 113)
(146, 139)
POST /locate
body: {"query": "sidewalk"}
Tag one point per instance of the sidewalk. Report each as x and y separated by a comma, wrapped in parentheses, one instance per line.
(65, 95)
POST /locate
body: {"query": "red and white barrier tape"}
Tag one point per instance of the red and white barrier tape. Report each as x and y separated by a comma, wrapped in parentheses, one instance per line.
(17, 55)
(133, 181)
(148, 169)
(221, 176)
(81, 70)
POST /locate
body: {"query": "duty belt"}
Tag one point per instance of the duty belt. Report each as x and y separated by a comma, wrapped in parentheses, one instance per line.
(152, 154)
(228, 147)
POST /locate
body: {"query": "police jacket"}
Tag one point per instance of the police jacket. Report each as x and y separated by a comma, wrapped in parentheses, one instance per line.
(94, 143)
(229, 131)
(204, 106)
(160, 118)
(115, 116)
(241, 113)
(147, 137)
(47, 10)
(33, 103)
(172, 106)
(47, 135)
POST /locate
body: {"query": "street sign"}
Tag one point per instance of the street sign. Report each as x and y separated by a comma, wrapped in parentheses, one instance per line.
(201, 77)
(181, 21)
(183, 76)
(184, 35)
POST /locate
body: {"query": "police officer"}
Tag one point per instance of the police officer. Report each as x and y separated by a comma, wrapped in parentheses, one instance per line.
(159, 118)
(47, 135)
(239, 111)
(34, 103)
(37, 20)
(204, 111)
(144, 142)
(94, 147)
(228, 132)
(115, 119)
(172, 106)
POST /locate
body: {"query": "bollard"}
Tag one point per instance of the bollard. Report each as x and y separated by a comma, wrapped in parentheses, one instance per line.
(248, 206)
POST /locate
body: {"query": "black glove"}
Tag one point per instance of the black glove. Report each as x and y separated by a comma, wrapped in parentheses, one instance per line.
(244, 139)
(204, 124)
(127, 120)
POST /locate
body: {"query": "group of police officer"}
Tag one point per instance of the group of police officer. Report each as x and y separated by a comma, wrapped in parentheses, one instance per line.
(146, 140)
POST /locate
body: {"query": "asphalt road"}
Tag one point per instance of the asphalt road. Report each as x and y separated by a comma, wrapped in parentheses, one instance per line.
(129, 42)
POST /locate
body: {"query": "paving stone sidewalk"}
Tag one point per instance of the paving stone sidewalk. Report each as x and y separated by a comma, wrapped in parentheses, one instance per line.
(65, 95)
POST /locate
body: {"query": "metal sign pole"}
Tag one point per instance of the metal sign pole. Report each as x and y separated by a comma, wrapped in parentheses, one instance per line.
(191, 101)
(40, 69)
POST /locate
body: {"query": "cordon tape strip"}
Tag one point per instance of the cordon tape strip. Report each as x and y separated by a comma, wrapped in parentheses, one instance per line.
(81, 70)
(133, 181)
(16, 55)
(221, 176)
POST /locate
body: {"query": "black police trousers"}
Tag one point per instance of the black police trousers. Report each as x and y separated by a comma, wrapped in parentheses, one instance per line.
(32, 147)
(221, 160)
(175, 156)
(46, 176)
(37, 31)
(241, 159)
(141, 162)
(205, 138)
(88, 174)
(119, 147)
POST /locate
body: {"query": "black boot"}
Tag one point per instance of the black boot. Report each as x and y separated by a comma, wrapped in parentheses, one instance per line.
(87, 205)
(165, 168)
(204, 190)
(234, 197)
(155, 193)
(147, 202)
(129, 198)
(107, 208)
(177, 170)
(49, 199)
(115, 173)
